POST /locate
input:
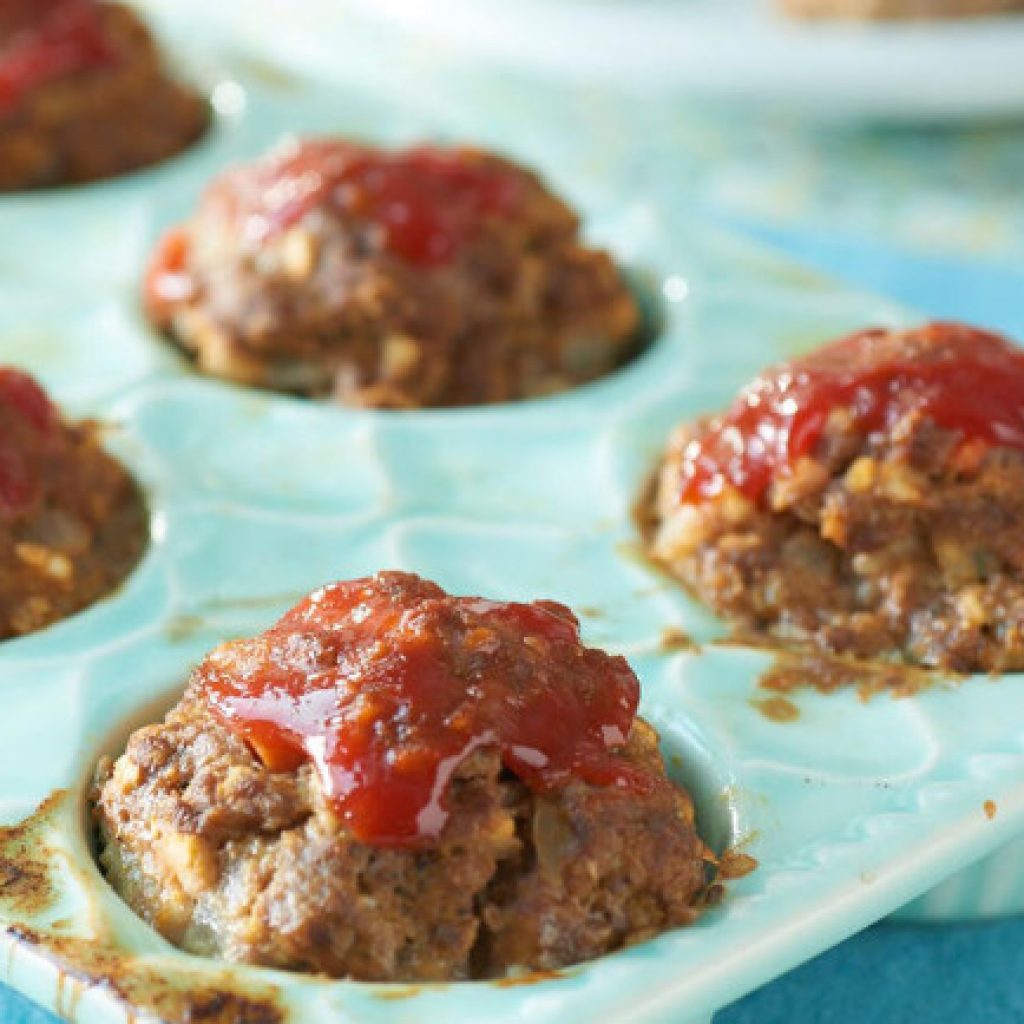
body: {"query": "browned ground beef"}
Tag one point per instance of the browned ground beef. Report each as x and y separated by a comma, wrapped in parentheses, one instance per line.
(522, 308)
(898, 8)
(76, 536)
(228, 859)
(103, 121)
(902, 543)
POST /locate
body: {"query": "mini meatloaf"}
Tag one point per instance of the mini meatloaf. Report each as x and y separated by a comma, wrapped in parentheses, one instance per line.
(868, 498)
(72, 522)
(392, 784)
(84, 95)
(898, 9)
(413, 278)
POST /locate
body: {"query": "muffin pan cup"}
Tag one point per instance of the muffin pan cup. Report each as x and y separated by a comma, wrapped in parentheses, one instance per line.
(850, 809)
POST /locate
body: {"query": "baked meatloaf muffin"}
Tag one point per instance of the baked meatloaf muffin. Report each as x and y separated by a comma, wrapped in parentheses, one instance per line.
(868, 498)
(898, 9)
(84, 95)
(392, 784)
(419, 277)
(72, 522)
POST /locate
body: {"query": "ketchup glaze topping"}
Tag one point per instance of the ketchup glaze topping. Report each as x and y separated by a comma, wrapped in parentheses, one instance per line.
(42, 40)
(167, 280)
(426, 201)
(28, 423)
(959, 378)
(387, 684)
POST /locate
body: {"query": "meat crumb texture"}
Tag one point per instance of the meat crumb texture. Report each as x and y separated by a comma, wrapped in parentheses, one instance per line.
(399, 279)
(300, 807)
(85, 95)
(72, 521)
(867, 499)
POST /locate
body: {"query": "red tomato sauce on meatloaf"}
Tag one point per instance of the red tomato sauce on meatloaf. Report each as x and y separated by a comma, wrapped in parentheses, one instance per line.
(426, 201)
(968, 381)
(28, 424)
(388, 684)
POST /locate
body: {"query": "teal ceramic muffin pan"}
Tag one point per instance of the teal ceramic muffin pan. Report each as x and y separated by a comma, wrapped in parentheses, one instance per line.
(850, 810)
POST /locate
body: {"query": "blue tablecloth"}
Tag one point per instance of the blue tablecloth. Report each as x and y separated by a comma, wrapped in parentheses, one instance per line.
(969, 974)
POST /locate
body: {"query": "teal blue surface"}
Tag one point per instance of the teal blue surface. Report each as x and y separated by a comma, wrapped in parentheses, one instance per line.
(851, 811)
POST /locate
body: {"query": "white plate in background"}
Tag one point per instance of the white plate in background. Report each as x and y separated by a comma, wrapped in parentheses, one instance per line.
(737, 49)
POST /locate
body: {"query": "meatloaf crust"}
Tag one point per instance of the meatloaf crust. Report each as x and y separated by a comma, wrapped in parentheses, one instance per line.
(227, 859)
(233, 847)
(103, 121)
(328, 309)
(901, 543)
(72, 521)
